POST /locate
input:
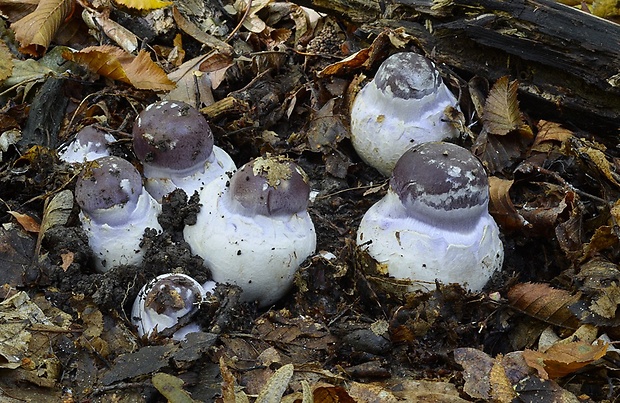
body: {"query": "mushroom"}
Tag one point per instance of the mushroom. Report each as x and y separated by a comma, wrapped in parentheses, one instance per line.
(165, 306)
(256, 231)
(115, 211)
(434, 223)
(89, 144)
(175, 145)
(401, 107)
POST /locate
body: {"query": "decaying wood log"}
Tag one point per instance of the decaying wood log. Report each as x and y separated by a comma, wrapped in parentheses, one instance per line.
(566, 58)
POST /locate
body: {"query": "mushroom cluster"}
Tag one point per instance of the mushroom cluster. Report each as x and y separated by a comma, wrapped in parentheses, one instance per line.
(256, 231)
(401, 107)
(433, 223)
(175, 145)
(115, 211)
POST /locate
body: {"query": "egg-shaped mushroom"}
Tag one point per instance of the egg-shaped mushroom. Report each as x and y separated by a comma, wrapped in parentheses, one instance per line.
(165, 306)
(254, 230)
(175, 145)
(433, 223)
(115, 211)
(401, 107)
(89, 144)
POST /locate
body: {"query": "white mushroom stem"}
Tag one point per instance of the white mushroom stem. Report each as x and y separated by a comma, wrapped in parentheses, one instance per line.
(412, 249)
(258, 253)
(115, 234)
(160, 180)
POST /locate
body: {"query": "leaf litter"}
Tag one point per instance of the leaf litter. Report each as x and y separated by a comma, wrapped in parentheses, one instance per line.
(278, 77)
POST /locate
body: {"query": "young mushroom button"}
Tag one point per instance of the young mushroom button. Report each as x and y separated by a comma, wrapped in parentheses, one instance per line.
(89, 144)
(255, 232)
(115, 211)
(167, 304)
(434, 222)
(401, 107)
(175, 145)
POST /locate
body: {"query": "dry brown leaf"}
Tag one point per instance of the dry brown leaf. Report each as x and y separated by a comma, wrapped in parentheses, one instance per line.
(228, 382)
(112, 62)
(545, 303)
(501, 110)
(331, 394)
(195, 32)
(548, 134)
(6, 62)
(563, 359)
(36, 30)
(364, 58)
(604, 237)
(500, 204)
(28, 223)
(601, 162)
(476, 368)
(276, 385)
(143, 4)
(67, 259)
(501, 388)
(606, 305)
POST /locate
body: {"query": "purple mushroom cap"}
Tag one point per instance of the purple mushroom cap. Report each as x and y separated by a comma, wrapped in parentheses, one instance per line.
(270, 186)
(96, 137)
(172, 134)
(106, 182)
(408, 75)
(441, 182)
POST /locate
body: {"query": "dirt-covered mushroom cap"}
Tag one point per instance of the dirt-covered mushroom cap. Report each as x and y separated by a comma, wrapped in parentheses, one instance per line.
(441, 182)
(89, 144)
(270, 186)
(166, 304)
(172, 134)
(404, 105)
(107, 182)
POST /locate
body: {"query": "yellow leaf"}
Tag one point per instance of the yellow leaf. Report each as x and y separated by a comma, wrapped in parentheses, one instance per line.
(143, 4)
(36, 30)
(112, 62)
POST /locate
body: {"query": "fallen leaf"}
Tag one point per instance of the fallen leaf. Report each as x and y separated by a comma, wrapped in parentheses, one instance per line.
(27, 222)
(563, 359)
(548, 134)
(275, 387)
(545, 303)
(112, 62)
(6, 62)
(600, 160)
(501, 110)
(500, 204)
(143, 4)
(171, 388)
(67, 259)
(364, 58)
(331, 394)
(501, 388)
(36, 30)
